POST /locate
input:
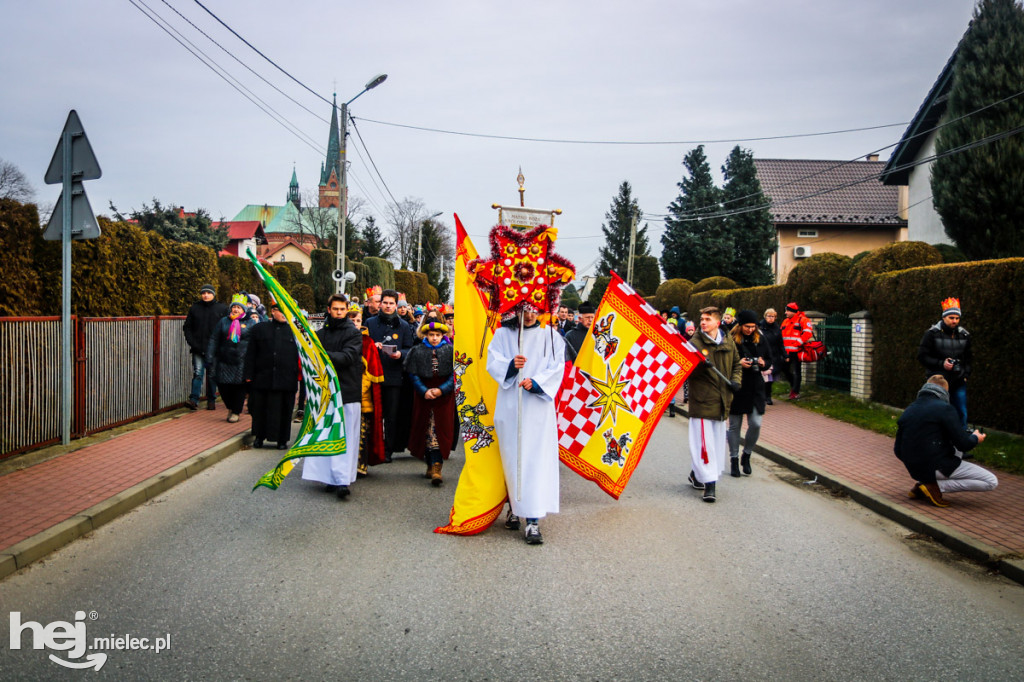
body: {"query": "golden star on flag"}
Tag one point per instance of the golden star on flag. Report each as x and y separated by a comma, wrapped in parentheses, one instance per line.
(611, 398)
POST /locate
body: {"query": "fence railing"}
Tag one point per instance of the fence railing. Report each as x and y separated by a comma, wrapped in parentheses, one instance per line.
(125, 368)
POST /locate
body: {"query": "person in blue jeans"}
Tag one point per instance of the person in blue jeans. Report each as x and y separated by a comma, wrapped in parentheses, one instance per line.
(946, 350)
(200, 322)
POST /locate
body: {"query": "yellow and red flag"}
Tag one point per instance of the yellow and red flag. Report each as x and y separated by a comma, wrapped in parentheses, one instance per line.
(628, 369)
(481, 492)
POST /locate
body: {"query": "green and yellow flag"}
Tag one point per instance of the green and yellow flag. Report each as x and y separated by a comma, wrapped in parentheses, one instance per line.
(323, 427)
(481, 493)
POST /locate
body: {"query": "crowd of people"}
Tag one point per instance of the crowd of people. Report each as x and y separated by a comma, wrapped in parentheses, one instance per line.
(395, 366)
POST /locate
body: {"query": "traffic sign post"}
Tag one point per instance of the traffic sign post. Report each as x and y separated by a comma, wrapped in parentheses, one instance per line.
(73, 161)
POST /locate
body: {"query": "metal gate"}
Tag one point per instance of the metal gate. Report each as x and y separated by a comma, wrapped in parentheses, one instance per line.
(834, 368)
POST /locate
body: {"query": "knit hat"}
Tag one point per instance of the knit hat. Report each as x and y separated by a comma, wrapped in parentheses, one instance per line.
(951, 306)
(674, 309)
(434, 326)
(586, 309)
(208, 287)
(746, 317)
(689, 328)
(793, 307)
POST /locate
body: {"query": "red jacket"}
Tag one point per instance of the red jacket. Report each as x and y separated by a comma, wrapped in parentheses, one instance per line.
(796, 331)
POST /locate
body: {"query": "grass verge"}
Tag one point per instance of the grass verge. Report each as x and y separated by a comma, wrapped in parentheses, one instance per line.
(1003, 451)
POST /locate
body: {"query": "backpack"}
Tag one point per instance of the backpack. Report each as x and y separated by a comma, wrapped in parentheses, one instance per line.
(812, 351)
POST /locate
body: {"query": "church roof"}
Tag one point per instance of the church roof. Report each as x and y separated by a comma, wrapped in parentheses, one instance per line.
(260, 212)
(285, 219)
(333, 148)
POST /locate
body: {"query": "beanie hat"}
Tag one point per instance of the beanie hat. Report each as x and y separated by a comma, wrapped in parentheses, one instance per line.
(586, 309)
(951, 306)
(746, 317)
(208, 287)
(793, 307)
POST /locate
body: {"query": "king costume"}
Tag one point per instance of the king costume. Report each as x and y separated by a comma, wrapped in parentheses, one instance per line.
(545, 364)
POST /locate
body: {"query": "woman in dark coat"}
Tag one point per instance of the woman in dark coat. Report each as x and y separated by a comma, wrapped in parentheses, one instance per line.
(771, 332)
(755, 357)
(272, 373)
(225, 355)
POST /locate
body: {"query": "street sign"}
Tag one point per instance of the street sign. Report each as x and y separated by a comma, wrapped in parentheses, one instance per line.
(84, 165)
(83, 222)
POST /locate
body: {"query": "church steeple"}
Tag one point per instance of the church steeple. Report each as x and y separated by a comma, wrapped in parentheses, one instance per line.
(330, 172)
(293, 190)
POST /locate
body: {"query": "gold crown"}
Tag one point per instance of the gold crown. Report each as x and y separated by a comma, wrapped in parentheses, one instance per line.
(373, 291)
(951, 303)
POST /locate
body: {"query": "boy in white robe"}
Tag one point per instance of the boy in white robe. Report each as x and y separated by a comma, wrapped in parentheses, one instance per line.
(536, 369)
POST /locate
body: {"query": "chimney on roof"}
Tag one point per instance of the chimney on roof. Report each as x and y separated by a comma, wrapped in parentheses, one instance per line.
(872, 157)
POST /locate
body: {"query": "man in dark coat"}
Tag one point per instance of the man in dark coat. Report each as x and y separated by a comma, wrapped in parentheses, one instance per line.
(202, 317)
(344, 345)
(927, 439)
(272, 373)
(577, 333)
(387, 329)
(946, 349)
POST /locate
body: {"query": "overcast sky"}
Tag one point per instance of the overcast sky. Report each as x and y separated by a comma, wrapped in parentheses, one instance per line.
(164, 125)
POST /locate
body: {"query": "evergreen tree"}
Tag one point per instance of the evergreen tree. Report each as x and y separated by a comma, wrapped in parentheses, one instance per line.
(977, 192)
(374, 244)
(695, 243)
(168, 222)
(753, 232)
(437, 245)
(615, 252)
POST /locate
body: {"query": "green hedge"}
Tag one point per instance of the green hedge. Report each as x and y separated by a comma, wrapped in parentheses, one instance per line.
(19, 231)
(673, 292)
(904, 304)
(820, 283)
(319, 279)
(757, 299)
(712, 283)
(379, 271)
(416, 287)
(889, 258)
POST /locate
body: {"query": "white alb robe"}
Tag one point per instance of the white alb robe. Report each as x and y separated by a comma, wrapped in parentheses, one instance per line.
(339, 469)
(545, 365)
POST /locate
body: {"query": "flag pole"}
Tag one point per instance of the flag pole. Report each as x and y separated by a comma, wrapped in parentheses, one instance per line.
(519, 421)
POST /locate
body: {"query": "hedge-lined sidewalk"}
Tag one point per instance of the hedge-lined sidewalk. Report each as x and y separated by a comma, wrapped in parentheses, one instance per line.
(49, 504)
(986, 526)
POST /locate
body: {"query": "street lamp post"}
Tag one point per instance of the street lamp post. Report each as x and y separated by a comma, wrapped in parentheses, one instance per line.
(419, 241)
(343, 180)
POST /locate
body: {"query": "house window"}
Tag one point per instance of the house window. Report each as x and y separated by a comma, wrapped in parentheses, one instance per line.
(282, 258)
(807, 233)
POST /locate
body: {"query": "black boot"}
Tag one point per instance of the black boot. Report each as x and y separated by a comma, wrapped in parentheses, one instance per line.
(672, 408)
(745, 463)
(735, 471)
(709, 492)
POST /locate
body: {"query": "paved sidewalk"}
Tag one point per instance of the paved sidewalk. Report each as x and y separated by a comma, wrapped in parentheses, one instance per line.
(987, 526)
(49, 504)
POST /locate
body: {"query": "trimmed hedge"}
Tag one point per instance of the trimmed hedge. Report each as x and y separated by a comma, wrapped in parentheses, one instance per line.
(379, 271)
(19, 231)
(320, 281)
(416, 287)
(889, 258)
(712, 283)
(673, 292)
(820, 283)
(906, 303)
(757, 299)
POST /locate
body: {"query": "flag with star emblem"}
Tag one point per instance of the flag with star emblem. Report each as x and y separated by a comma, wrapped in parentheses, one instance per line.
(628, 369)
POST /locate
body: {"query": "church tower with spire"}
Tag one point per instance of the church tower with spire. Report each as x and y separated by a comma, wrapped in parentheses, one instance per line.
(330, 170)
(293, 190)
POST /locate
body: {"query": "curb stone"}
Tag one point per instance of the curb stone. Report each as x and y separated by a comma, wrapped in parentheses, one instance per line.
(21, 554)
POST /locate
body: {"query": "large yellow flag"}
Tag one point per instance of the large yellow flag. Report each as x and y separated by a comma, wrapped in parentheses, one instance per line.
(481, 492)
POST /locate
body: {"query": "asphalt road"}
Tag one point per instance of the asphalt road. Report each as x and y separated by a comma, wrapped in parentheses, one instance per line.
(776, 581)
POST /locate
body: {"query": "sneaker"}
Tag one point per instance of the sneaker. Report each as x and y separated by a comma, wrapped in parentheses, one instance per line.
(709, 492)
(343, 492)
(915, 493)
(232, 417)
(532, 535)
(932, 492)
(734, 463)
(794, 396)
(697, 485)
(511, 521)
(258, 443)
(191, 404)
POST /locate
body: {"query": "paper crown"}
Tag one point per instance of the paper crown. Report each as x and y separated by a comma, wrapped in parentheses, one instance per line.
(239, 299)
(951, 306)
(373, 291)
(354, 308)
(730, 311)
(401, 298)
(447, 309)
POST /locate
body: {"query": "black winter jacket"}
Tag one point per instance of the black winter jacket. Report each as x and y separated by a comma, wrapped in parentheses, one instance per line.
(225, 358)
(926, 434)
(344, 345)
(272, 359)
(202, 317)
(941, 342)
(772, 335)
(574, 339)
(396, 332)
(751, 394)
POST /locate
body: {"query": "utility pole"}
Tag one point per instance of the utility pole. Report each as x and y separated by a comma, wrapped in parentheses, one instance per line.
(632, 249)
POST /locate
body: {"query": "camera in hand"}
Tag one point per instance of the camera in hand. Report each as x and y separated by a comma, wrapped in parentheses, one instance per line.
(753, 363)
(956, 364)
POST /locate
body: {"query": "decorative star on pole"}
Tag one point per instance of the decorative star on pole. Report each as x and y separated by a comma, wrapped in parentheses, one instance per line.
(611, 398)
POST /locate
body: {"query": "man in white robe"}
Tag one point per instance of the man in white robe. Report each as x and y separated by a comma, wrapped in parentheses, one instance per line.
(536, 369)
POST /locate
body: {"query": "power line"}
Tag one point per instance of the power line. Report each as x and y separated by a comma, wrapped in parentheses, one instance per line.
(360, 136)
(628, 142)
(251, 70)
(211, 64)
(253, 48)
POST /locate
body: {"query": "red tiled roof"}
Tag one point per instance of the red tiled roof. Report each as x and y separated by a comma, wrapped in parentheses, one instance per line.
(803, 191)
(241, 229)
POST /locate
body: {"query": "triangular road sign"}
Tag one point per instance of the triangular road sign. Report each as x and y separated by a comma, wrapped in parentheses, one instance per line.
(83, 222)
(84, 165)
